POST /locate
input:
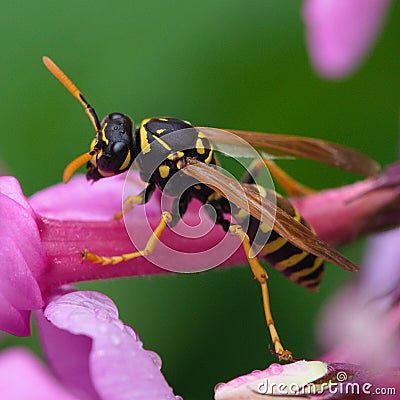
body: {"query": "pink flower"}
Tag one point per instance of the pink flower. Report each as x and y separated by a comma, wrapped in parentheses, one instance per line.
(368, 308)
(23, 259)
(92, 354)
(41, 240)
(341, 32)
(19, 365)
(342, 215)
(315, 380)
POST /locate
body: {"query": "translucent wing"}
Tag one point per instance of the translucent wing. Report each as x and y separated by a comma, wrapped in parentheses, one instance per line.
(265, 211)
(272, 145)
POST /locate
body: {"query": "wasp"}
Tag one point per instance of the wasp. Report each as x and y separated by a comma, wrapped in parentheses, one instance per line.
(287, 242)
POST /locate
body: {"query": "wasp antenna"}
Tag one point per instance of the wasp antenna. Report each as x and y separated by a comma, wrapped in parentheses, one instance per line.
(69, 85)
(75, 164)
(56, 71)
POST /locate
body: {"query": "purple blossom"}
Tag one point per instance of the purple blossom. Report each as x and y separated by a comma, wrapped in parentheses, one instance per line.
(84, 219)
(92, 352)
(342, 215)
(23, 259)
(41, 241)
(340, 32)
(368, 308)
(92, 355)
(19, 365)
(315, 380)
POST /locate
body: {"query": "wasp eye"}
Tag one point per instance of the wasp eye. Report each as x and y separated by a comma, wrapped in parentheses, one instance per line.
(116, 115)
(118, 147)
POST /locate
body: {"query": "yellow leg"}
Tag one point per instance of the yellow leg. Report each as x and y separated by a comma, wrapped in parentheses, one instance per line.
(261, 276)
(128, 205)
(149, 248)
(289, 184)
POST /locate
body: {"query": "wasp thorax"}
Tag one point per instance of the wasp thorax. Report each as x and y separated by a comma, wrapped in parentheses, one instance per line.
(115, 143)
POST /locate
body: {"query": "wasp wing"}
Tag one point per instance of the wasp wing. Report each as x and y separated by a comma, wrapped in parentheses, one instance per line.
(266, 211)
(285, 146)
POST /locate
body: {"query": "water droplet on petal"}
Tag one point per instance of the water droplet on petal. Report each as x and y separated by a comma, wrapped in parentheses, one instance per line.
(130, 332)
(155, 358)
(219, 386)
(178, 398)
(275, 369)
(100, 353)
(101, 314)
(115, 339)
(76, 317)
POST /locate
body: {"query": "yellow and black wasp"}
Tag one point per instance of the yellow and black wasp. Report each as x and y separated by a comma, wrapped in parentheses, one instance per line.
(288, 243)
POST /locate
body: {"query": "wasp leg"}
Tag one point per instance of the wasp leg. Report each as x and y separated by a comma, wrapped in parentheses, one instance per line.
(252, 172)
(219, 208)
(261, 276)
(149, 248)
(178, 209)
(288, 183)
(142, 198)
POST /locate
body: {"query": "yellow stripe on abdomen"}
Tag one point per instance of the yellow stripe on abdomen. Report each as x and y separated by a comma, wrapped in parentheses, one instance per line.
(290, 261)
(307, 271)
(271, 247)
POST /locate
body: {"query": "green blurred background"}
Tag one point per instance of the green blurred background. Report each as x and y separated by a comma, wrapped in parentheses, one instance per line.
(220, 63)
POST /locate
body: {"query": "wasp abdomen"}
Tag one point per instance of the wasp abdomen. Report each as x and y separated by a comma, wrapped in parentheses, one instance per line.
(301, 267)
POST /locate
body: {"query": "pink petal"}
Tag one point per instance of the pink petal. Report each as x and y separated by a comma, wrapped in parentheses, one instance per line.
(368, 309)
(10, 187)
(351, 330)
(109, 353)
(82, 201)
(96, 230)
(22, 259)
(340, 32)
(64, 242)
(308, 379)
(381, 273)
(73, 371)
(277, 380)
(23, 377)
(342, 215)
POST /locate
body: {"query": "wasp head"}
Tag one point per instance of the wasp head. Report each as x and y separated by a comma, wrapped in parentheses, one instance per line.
(112, 149)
